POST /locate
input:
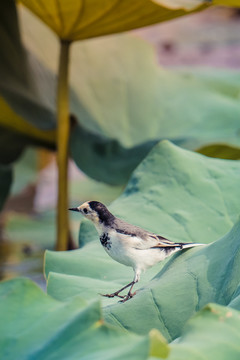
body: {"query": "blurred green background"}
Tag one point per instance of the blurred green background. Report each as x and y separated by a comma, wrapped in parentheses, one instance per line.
(115, 96)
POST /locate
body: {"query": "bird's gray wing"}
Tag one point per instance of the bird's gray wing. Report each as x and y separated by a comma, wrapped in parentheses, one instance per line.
(152, 241)
(142, 239)
(157, 241)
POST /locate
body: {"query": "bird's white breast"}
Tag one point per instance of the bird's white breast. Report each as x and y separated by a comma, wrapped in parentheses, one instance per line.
(118, 249)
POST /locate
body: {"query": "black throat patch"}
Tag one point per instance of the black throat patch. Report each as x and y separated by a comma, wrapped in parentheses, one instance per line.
(105, 241)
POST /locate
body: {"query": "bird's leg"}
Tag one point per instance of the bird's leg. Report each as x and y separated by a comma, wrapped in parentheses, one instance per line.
(135, 280)
(129, 294)
(116, 293)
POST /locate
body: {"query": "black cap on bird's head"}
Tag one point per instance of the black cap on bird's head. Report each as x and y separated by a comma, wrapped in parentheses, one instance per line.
(97, 206)
(95, 211)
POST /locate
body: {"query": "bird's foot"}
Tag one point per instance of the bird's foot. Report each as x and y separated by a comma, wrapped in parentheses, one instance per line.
(113, 295)
(128, 296)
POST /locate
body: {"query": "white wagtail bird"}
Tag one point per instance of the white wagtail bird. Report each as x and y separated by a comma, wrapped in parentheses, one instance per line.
(128, 244)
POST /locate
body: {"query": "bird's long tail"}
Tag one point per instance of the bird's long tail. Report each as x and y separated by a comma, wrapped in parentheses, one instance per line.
(189, 245)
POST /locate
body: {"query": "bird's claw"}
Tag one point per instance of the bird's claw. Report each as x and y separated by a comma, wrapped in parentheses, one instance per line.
(112, 295)
(127, 297)
(124, 298)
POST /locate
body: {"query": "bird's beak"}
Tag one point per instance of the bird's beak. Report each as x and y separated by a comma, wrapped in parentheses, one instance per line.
(74, 209)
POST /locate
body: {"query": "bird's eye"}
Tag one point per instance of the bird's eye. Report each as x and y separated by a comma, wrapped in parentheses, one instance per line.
(85, 210)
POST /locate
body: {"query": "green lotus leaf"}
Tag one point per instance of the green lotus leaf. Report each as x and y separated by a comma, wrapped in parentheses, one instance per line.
(172, 102)
(185, 197)
(213, 333)
(26, 90)
(104, 159)
(35, 326)
(189, 126)
(86, 19)
(192, 108)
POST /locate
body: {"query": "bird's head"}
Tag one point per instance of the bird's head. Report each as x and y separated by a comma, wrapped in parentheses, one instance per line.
(95, 211)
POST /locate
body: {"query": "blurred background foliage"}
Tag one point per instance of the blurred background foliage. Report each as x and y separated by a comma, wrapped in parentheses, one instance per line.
(122, 100)
(117, 97)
